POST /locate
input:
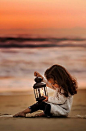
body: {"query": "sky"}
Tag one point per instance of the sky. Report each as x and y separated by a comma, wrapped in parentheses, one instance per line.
(43, 16)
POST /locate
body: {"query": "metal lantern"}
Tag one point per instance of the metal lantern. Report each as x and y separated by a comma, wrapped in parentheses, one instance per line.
(40, 89)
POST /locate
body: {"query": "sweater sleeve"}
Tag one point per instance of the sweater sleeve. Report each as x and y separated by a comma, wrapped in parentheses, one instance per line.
(60, 99)
(48, 84)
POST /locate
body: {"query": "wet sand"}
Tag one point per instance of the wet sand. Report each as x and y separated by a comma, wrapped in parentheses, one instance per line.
(15, 103)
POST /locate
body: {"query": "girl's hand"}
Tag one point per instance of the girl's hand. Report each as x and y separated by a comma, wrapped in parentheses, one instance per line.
(38, 74)
(46, 98)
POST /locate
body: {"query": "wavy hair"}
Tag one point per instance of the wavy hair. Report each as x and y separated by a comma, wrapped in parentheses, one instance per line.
(63, 78)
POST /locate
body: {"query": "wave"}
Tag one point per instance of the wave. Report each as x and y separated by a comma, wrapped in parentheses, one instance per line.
(3, 39)
(21, 42)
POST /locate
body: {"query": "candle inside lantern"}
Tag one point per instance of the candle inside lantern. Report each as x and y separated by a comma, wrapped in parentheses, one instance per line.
(42, 92)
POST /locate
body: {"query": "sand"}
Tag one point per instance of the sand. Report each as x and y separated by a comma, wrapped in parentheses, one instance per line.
(76, 120)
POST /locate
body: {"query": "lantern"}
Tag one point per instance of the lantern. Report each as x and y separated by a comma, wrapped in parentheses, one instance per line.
(40, 89)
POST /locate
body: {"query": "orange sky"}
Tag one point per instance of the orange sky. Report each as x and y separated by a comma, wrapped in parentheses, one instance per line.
(42, 14)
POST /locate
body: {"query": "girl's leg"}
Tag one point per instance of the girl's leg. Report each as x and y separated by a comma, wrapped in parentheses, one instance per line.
(41, 106)
(40, 114)
(22, 113)
(28, 110)
(37, 106)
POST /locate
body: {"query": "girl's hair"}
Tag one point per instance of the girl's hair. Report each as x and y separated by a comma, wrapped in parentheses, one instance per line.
(63, 78)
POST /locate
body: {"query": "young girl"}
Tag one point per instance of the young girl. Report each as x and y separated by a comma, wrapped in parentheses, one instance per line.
(60, 104)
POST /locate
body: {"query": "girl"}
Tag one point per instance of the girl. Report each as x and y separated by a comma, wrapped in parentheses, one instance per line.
(60, 104)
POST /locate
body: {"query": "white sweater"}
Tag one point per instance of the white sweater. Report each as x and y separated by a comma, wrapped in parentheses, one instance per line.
(60, 105)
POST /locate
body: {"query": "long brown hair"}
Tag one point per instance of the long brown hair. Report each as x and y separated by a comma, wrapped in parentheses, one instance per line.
(63, 78)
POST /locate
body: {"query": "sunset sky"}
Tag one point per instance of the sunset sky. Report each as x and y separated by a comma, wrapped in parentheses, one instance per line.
(34, 16)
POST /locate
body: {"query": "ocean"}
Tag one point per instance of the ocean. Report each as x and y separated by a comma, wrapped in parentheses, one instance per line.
(20, 56)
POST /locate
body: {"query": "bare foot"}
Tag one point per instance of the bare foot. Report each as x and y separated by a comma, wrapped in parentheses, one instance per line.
(20, 114)
(40, 114)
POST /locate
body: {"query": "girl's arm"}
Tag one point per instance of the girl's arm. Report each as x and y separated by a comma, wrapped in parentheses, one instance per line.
(60, 99)
(48, 84)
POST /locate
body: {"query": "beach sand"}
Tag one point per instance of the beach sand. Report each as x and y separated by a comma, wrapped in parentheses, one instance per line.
(15, 103)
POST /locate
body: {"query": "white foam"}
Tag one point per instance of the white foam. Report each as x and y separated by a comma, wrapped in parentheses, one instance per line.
(6, 116)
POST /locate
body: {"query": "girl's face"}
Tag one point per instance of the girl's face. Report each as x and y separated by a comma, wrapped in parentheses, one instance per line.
(53, 83)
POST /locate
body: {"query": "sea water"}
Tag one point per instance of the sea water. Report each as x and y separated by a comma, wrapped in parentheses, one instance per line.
(20, 57)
